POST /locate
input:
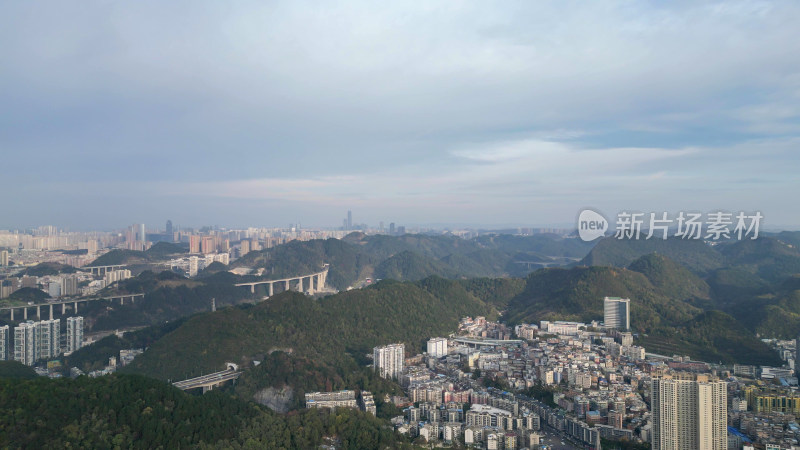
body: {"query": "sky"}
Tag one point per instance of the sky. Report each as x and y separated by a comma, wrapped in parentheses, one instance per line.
(254, 113)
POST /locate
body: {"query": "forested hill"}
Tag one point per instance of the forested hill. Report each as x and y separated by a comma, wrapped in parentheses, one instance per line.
(126, 411)
(168, 296)
(348, 323)
(413, 257)
(770, 258)
(671, 308)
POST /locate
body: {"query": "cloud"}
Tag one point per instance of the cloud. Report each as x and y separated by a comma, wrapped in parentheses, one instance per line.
(393, 105)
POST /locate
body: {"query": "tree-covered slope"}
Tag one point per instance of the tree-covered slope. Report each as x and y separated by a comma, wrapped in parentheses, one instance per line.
(770, 258)
(350, 322)
(410, 266)
(168, 296)
(671, 278)
(47, 268)
(126, 411)
(412, 256)
(660, 312)
(304, 257)
(693, 254)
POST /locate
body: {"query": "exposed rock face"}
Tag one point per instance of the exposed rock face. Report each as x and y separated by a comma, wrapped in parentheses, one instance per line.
(276, 399)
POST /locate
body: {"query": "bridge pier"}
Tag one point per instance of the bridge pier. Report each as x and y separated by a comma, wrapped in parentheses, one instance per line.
(63, 308)
(76, 308)
(12, 314)
(25, 313)
(122, 300)
(252, 288)
(38, 312)
(287, 285)
(51, 311)
(311, 285)
(271, 292)
(300, 284)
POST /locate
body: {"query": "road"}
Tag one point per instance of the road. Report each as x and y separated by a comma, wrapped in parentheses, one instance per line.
(554, 440)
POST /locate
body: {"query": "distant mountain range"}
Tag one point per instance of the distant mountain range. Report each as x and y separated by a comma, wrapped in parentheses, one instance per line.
(414, 257)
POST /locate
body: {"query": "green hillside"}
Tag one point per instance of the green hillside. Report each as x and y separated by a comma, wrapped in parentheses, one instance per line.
(732, 285)
(163, 250)
(125, 411)
(14, 369)
(47, 268)
(413, 256)
(347, 323)
(494, 291)
(671, 278)
(693, 254)
(410, 266)
(660, 313)
(168, 296)
(302, 257)
(769, 258)
(120, 256)
(773, 315)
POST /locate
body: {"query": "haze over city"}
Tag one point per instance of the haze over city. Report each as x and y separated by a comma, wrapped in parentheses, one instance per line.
(254, 114)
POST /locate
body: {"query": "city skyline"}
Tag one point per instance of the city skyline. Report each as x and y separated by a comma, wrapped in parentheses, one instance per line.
(453, 113)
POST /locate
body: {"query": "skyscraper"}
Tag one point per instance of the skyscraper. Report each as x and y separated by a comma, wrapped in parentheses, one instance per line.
(437, 347)
(689, 412)
(69, 285)
(142, 235)
(169, 230)
(74, 333)
(48, 338)
(194, 244)
(25, 343)
(3, 257)
(617, 313)
(388, 360)
(797, 355)
(349, 219)
(4, 341)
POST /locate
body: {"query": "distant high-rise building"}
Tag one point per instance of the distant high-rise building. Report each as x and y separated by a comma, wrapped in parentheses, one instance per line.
(194, 244)
(244, 247)
(4, 342)
(116, 275)
(391, 228)
(617, 313)
(142, 235)
(193, 265)
(207, 245)
(797, 356)
(388, 360)
(169, 230)
(690, 411)
(74, 333)
(437, 347)
(349, 219)
(25, 343)
(3, 258)
(48, 338)
(69, 285)
(54, 289)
